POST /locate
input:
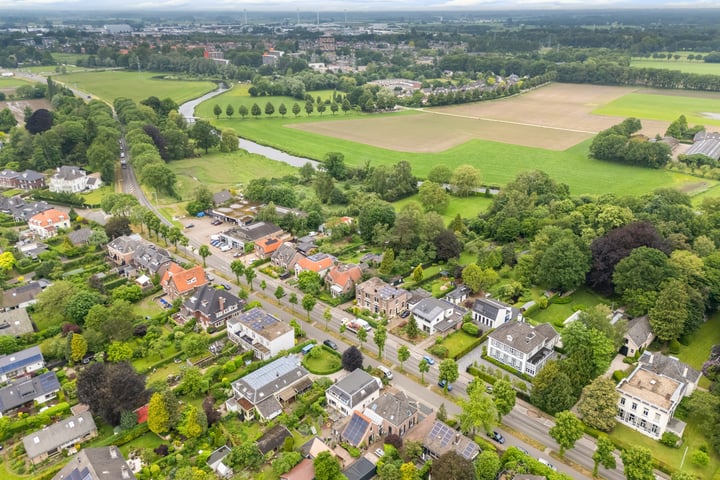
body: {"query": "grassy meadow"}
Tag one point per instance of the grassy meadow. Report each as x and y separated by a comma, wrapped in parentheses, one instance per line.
(467, 207)
(682, 65)
(109, 85)
(659, 105)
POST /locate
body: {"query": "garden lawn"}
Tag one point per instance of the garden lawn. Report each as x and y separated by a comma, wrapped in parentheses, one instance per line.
(667, 106)
(466, 207)
(672, 457)
(14, 82)
(96, 196)
(224, 171)
(457, 342)
(147, 307)
(149, 440)
(111, 84)
(323, 364)
(699, 344)
(557, 313)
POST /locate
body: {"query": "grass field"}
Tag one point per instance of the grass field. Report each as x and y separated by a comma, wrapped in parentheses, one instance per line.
(666, 105)
(467, 207)
(701, 342)
(682, 65)
(556, 313)
(109, 85)
(238, 95)
(457, 342)
(7, 83)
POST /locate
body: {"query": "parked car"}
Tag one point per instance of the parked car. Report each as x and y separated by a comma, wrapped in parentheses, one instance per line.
(379, 452)
(237, 254)
(285, 275)
(405, 314)
(523, 450)
(226, 286)
(190, 225)
(496, 436)
(428, 359)
(489, 389)
(216, 222)
(546, 463)
(225, 248)
(331, 344)
(441, 384)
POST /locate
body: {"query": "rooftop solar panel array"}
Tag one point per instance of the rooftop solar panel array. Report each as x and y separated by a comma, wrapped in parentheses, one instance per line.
(355, 430)
(442, 434)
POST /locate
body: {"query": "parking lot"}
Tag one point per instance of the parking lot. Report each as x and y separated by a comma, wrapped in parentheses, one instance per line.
(201, 232)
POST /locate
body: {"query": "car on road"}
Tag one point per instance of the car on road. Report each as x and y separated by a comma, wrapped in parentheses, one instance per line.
(331, 344)
(379, 452)
(226, 286)
(496, 436)
(441, 384)
(405, 314)
(428, 359)
(546, 463)
(285, 275)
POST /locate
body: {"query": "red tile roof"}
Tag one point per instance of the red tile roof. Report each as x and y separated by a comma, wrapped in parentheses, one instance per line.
(316, 266)
(184, 280)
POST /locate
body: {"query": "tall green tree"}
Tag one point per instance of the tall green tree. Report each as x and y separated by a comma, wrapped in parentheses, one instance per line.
(327, 467)
(217, 110)
(362, 335)
(379, 338)
(204, 252)
(668, 315)
(465, 179)
(638, 463)
(238, 268)
(249, 276)
(205, 135)
(603, 454)
(503, 395)
(308, 303)
(403, 355)
(487, 465)
(598, 404)
(567, 430)
(448, 369)
(423, 367)
(478, 410)
(158, 416)
(552, 390)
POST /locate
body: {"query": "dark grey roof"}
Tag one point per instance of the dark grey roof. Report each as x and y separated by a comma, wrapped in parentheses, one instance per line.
(254, 231)
(217, 456)
(361, 469)
(213, 303)
(430, 307)
(706, 143)
(97, 464)
(58, 434)
(356, 428)
(522, 336)
(284, 254)
(395, 408)
(669, 366)
(15, 322)
(354, 387)
(269, 408)
(384, 290)
(638, 329)
(21, 211)
(125, 243)
(69, 172)
(79, 237)
(270, 379)
(150, 257)
(273, 439)
(23, 391)
(459, 293)
(21, 359)
(31, 175)
(221, 197)
(442, 438)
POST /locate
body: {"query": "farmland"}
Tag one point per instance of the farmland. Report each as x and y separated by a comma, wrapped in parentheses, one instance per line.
(110, 85)
(682, 65)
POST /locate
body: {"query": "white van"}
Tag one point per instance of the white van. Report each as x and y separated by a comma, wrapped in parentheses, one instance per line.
(225, 248)
(214, 237)
(386, 371)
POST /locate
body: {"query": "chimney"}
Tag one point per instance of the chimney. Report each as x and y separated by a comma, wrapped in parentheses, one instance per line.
(125, 471)
(221, 300)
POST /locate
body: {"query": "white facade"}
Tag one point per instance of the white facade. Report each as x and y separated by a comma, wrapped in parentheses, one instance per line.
(267, 342)
(523, 347)
(356, 391)
(71, 179)
(490, 313)
(430, 311)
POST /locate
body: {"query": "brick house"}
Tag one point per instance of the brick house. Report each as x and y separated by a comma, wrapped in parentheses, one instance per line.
(341, 279)
(381, 298)
(178, 282)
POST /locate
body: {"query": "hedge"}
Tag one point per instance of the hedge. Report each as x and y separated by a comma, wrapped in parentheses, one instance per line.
(112, 285)
(127, 436)
(26, 269)
(160, 364)
(472, 346)
(476, 372)
(49, 473)
(524, 376)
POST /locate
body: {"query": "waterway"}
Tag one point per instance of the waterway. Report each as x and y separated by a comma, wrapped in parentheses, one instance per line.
(187, 110)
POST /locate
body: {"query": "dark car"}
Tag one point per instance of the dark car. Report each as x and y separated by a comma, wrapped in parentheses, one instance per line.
(496, 436)
(285, 275)
(441, 384)
(226, 286)
(331, 344)
(405, 314)
(216, 222)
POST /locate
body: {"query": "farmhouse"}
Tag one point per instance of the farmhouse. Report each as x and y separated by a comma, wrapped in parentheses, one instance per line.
(652, 392)
(46, 224)
(356, 390)
(260, 392)
(706, 143)
(523, 347)
(59, 436)
(97, 463)
(379, 297)
(257, 330)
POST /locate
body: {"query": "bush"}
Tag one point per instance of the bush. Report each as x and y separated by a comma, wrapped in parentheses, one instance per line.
(471, 329)
(618, 375)
(669, 439)
(700, 458)
(439, 351)
(674, 347)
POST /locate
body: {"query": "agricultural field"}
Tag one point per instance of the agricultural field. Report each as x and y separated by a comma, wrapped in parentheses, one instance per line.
(380, 139)
(681, 65)
(109, 85)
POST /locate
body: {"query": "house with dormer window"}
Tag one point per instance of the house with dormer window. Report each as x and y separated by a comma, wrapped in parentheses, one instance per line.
(178, 282)
(489, 313)
(211, 307)
(354, 391)
(46, 224)
(53, 440)
(71, 179)
(523, 347)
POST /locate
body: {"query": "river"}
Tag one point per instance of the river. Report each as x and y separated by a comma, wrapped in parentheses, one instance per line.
(187, 110)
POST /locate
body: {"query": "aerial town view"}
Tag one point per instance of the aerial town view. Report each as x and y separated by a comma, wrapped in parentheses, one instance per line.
(454, 240)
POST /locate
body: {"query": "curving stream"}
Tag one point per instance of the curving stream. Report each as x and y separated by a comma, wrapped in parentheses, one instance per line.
(187, 110)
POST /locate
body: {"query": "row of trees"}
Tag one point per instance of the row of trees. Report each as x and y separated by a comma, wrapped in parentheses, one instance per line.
(309, 107)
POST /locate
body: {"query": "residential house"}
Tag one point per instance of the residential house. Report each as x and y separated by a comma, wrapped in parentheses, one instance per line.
(46, 224)
(71, 179)
(30, 248)
(40, 389)
(19, 209)
(652, 392)
(306, 245)
(211, 307)
(80, 237)
(216, 464)
(523, 347)
(258, 394)
(381, 298)
(21, 297)
(489, 313)
(416, 296)
(8, 178)
(395, 413)
(319, 263)
(354, 391)
(639, 336)
(285, 256)
(360, 469)
(151, 259)
(102, 463)
(459, 295)
(313, 447)
(273, 439)
(15, 322)
(341, 279)
(54, 439)
(443, 438)
(178, 282)
(27, 180)
(266, 247)
(261, 332)
(20, 363)
(243, 235)
(305, 470)
(122, 249)
(434, 315)
(360, 430)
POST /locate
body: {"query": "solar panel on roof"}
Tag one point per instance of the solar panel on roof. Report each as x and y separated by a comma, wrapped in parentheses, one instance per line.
(355, 430)
(470, 450)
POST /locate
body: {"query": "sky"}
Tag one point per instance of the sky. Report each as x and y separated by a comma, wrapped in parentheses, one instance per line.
(349, 5)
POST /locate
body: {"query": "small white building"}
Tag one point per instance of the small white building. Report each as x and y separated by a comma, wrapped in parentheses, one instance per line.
(356, 390)
(435, 315)
(261, 332)
(652, 392)
(523, 347)
(489, 313)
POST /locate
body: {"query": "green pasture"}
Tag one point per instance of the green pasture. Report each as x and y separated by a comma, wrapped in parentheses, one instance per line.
(111, 84)
(224, 170)
(467, 207)
(557, 313)
(68, 58)
(13, 82)
(656, 106)
(681, 65)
